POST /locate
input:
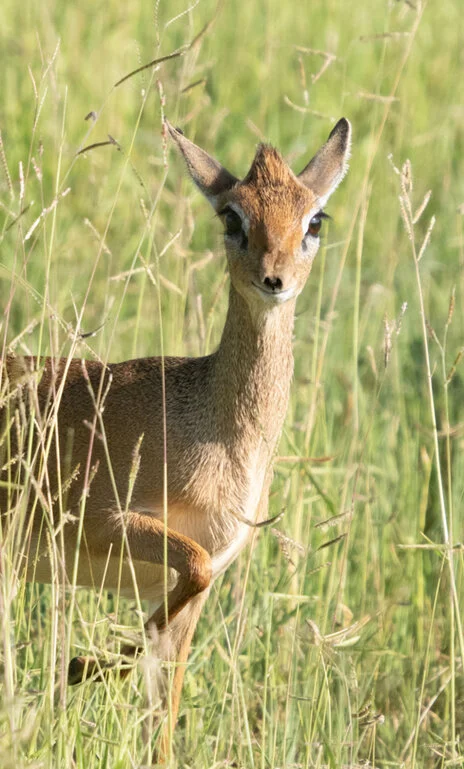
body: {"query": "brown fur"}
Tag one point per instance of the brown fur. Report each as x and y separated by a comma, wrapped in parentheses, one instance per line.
(108, 429)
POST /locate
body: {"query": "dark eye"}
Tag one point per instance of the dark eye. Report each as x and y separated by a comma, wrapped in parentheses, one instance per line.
(315, 225)
(232, 222)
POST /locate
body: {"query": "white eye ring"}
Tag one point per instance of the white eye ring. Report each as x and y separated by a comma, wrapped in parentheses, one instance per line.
(305, 223)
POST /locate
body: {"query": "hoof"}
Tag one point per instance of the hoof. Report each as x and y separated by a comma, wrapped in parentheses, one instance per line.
(80, 669)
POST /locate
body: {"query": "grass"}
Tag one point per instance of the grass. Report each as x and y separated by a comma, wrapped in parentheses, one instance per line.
(336, 640)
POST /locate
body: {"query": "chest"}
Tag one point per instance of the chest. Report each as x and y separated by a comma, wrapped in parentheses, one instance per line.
(219, 501)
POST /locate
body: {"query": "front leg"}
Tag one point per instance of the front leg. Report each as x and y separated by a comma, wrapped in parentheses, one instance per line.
(146, 542)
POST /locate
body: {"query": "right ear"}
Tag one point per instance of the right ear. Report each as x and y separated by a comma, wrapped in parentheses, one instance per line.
(209, 176)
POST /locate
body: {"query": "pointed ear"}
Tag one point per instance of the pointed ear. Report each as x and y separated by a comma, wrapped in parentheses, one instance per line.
(209, 176)
(325, 171)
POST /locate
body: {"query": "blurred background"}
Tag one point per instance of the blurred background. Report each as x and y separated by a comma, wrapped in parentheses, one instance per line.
(335, 640)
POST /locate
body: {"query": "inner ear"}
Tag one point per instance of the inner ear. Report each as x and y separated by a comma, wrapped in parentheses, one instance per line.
(211, 178)
(325, 171)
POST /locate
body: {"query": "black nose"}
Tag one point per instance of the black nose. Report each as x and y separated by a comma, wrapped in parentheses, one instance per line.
(275, 284)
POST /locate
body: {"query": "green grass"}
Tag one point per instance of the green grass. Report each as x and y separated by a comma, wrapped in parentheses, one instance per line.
(268, 684)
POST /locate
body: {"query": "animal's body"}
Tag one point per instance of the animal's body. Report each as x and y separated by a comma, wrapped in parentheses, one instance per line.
(190, 438)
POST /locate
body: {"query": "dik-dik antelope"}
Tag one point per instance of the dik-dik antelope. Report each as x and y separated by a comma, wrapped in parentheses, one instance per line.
(187, 440)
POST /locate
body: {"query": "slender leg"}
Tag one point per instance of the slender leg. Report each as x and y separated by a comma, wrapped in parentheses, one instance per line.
(181, 630)
(146, 539)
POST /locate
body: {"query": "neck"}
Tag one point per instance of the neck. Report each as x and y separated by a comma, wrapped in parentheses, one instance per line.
(253, 368)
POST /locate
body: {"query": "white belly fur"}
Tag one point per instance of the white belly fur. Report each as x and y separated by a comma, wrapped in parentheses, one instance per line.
(224, 558)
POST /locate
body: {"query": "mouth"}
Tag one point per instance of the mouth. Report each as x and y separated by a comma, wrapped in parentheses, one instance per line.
(277, 297)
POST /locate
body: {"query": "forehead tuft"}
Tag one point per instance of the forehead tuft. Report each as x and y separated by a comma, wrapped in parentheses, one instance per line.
(271, 192)
(268, 168)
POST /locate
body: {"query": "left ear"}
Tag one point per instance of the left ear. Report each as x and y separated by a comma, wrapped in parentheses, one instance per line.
(325, 171)
(209, 176)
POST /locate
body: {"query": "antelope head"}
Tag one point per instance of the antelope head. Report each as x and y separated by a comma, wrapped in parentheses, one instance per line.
(272, 218)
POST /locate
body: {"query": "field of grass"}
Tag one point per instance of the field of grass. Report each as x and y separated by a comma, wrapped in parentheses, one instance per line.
(337, 639)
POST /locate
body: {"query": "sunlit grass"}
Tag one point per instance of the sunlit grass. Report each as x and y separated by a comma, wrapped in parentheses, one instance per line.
(336, 639)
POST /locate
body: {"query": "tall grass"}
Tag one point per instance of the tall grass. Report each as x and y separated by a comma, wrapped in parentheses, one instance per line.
(336, 640)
